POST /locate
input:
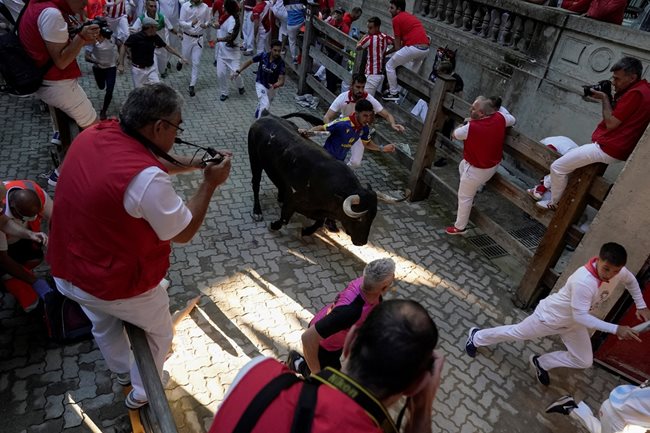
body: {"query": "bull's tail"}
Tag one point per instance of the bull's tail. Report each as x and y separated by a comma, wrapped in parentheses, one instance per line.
(309, 118)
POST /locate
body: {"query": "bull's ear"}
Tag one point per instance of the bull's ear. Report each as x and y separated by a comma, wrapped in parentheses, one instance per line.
(368, 187)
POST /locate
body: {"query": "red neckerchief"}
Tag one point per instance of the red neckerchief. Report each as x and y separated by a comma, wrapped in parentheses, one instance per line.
(591, 267)
(355, 123)
(351, 98)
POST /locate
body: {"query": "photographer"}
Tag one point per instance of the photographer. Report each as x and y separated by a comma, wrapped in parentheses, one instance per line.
(45, 36)
(390, 355)
(115, 218)
(625, 119)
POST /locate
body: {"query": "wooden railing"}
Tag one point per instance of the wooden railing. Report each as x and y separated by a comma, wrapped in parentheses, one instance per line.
(520, 152)
(156, 417)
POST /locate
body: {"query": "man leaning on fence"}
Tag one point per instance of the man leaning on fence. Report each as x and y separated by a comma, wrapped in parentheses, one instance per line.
(115, 217)
(624, 120)
(483, 136)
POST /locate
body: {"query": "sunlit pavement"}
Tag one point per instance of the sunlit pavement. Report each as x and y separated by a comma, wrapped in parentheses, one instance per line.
(260, 289)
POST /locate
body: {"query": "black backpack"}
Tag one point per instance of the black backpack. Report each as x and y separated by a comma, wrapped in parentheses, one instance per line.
(20, 74)
(65, 321)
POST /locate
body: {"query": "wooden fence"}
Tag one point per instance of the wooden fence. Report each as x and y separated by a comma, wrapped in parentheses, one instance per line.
(586, 185)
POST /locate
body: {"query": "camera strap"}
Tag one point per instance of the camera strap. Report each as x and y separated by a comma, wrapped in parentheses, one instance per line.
(150, 145)
(306, 407)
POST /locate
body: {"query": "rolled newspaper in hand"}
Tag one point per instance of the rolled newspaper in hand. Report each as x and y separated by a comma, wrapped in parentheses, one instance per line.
(642, 327)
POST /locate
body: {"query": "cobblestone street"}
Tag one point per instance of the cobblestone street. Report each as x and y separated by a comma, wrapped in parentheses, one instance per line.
(260, 289)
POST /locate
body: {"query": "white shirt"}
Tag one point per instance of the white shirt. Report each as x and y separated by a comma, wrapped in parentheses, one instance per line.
(462, 132)
(189, 13)
(170, 9)
(581, 294)
(226, 52)
(104, 53)
(632, 404)
(52, 26)
(150, 196)
(560, 143)
(342, 104)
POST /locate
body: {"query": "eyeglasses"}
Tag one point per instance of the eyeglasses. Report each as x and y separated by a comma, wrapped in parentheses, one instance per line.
(179, 130)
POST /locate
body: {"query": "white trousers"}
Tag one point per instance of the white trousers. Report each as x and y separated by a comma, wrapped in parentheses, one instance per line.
(576, 158)
(225, 69)
(192, 49)
(292, 33)
(248, 30)
(162, 57)
(69, 97)
(409, 57)
(280, 13)
(261, 41)
(420, 109)
(575, 338)
(471, 179)
(373, 82)
(142, 76)
(264, 98)
(149, 311)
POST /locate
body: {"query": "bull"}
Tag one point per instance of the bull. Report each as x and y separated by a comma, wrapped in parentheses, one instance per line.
(309, 180)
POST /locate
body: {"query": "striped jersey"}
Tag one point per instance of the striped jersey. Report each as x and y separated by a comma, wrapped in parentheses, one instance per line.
(377, 44)
(115, 9)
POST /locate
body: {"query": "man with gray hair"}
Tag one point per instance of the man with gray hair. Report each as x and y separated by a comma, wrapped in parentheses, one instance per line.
(483, 135)
(322, 342)
(115, 218)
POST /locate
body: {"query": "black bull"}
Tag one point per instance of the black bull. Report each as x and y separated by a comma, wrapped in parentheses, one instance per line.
(309, 180)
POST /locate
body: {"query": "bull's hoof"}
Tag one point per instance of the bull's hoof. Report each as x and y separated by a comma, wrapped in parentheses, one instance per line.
(275, 226)
(257, 217)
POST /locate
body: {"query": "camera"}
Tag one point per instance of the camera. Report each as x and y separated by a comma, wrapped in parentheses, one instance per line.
(604, 86)
(104, 29)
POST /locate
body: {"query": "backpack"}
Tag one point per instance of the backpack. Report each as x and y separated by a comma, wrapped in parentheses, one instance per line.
(20, 74)
(64, 319)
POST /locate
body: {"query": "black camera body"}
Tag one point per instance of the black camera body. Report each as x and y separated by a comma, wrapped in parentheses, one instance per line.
(604, 86)
(104, 29)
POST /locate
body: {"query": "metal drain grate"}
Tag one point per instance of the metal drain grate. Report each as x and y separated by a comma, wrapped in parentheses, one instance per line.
(488, 247)
(530, 237)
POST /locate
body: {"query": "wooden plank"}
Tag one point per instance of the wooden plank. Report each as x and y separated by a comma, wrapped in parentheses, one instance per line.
(599, 189)
(426, 151)
(320, 90)
(519, 197)
(158, 403)
(570, 208)
(550, 278)
(335, 34)
(417, 85)
(494, 230)
(332, 46)
(330, 65)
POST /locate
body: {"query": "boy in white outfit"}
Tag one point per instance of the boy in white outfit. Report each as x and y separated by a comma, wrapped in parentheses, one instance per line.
(228, 62)
(567, 314)
(194, 19)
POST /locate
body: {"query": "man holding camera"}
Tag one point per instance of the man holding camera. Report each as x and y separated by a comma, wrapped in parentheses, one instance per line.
(390, 355)
(111, 253)
(44, 35)
(625, 119)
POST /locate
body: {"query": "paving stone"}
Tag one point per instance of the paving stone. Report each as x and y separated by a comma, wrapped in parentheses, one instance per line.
(260, 289)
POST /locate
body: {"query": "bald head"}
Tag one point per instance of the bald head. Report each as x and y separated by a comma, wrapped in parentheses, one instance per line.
(24, 203)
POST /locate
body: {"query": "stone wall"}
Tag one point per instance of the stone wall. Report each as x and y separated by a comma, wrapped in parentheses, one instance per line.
(535, 57)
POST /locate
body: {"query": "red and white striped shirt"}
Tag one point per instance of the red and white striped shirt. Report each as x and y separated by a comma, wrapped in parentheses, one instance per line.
(377, 44)
(115, 9)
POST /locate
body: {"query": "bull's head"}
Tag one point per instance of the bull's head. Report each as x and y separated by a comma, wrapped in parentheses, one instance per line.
(359, 210)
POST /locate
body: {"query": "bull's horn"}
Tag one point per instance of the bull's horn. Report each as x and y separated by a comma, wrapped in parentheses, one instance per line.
(347, 206)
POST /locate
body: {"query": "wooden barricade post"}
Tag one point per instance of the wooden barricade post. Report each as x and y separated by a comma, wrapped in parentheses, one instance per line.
(426, 151)
(162, 419)
(308, 39)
